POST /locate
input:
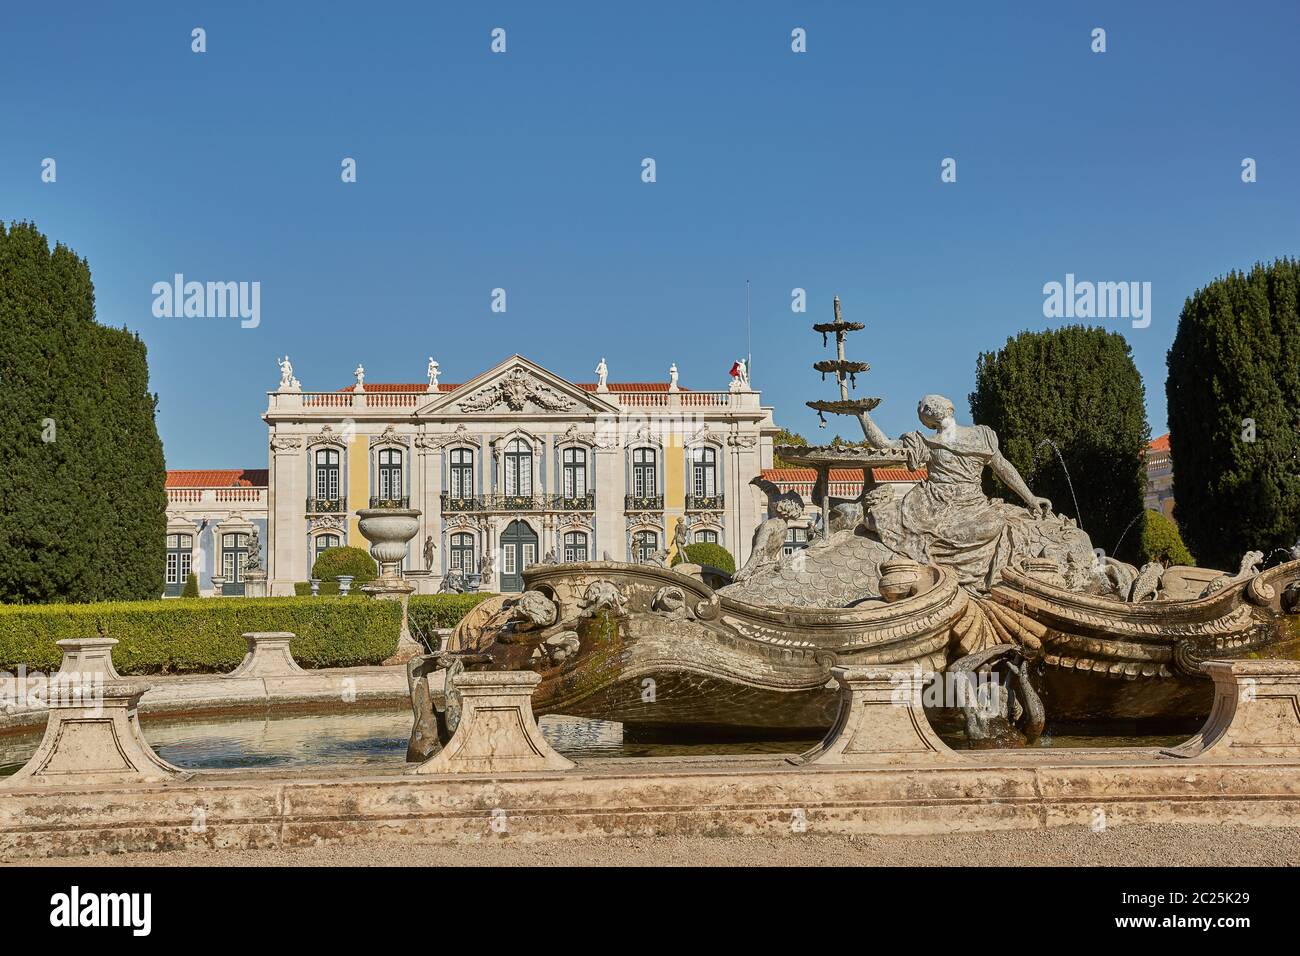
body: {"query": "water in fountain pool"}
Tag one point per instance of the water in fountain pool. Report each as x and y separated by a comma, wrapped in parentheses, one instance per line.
(378, 738)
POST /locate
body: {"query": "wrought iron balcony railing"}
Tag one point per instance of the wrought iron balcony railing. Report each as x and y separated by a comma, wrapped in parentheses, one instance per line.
(378, 502)
(326, 506)
(452, 504)
(643, 503)
(704, 502)
(585, 502)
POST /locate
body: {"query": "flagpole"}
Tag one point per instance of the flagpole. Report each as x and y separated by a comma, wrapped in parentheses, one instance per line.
(749, 340)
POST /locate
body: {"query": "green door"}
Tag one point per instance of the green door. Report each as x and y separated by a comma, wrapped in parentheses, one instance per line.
(518, 551)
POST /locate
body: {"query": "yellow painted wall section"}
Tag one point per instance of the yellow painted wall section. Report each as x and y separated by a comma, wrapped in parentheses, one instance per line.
(358, 485)
(674, 490)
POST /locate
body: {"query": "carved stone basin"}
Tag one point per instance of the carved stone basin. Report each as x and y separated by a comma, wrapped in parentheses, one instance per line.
(388, 530)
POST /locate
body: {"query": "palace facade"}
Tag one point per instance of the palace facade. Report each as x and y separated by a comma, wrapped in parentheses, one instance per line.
(514, 466)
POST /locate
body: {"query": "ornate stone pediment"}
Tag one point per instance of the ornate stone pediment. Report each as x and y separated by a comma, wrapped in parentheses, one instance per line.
(389, 436)
(515, 391)
(328, 436)
(704, 435)
(461, 436)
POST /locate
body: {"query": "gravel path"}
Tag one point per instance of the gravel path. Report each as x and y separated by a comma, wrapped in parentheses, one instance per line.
(1063, 846)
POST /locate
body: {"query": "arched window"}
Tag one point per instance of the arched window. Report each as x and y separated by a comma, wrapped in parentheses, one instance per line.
(462, 473)
(519, 468)
(460, 555)
(323, 543)
(575, 472)
(704, 472)
(706, 536)
(645, 545)
(644, 481)
(575, 546)
(180, 554)
(327, 474)
(390, 474)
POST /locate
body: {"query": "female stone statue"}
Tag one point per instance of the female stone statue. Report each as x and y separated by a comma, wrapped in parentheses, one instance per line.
(948, 520)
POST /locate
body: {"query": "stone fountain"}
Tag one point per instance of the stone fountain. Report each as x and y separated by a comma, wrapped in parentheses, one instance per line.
(389, 531)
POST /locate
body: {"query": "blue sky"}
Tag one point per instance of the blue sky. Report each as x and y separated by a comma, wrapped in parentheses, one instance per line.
(523, 171)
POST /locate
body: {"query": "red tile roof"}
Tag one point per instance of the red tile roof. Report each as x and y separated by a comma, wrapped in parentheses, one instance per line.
(219, 478)
(843, 474)
(1159, 444)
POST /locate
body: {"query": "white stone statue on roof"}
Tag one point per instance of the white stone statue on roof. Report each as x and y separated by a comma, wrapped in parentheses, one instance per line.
(433, 375)
(360, 373)
(602, 376)
(672, 377)
(287, 382)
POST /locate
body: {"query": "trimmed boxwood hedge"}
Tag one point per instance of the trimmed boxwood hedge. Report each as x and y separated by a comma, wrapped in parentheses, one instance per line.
(345, 560)
(205, 635)
(430, 611)
(706, 553)
(197, 635)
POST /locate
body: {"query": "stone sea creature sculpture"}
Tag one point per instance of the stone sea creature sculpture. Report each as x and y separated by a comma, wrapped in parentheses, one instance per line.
(999, 703)
(769, 538)
(1249, 567)
(602, 596)
(1146, 586)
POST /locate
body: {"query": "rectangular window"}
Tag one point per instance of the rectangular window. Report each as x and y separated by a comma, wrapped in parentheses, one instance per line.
(172, 568)
(530, 556)
(509, 563)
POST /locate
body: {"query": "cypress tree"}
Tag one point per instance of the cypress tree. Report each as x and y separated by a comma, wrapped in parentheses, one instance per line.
(82, 498)
(1079, 389)
(1234, 414)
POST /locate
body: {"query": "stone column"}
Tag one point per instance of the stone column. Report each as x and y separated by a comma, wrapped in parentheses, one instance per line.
(1256, 713)
(880, 722)
(286, 524)
(610, 487)
(497, 732)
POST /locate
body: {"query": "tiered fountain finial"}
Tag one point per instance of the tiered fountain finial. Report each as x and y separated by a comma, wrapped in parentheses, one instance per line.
(846, 371)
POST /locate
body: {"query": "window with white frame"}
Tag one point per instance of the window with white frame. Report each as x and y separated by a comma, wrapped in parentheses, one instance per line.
(390, 473)
(327, 473)
(575, 472)
(460, 555)
(519, 469)
(575, 546)
(462, 473)
(644, 478)
(704, 472)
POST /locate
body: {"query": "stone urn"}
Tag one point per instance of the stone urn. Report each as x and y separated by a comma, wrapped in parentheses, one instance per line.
(389, 531)
(899, 579)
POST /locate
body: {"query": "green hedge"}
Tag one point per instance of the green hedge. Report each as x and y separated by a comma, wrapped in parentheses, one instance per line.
(326, 588)
(344, 560)
(713, 555)
(202, 635)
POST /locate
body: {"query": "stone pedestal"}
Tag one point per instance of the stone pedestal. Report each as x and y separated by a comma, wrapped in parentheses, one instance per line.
(880, 722)
(1256, 713)
(396, 589)
(268, 656)
(88, 655)
(255, 584)
(96, 741)
(218, 582)
(497, 732)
